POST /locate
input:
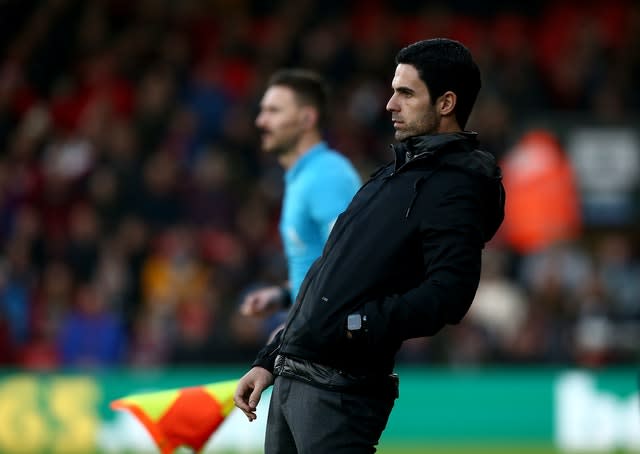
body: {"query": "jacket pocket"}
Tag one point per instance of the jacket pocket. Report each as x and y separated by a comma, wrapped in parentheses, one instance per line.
(366, 330)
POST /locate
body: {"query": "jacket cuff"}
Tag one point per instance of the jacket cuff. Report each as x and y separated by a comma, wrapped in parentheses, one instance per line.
(265, 363)
(267, 356)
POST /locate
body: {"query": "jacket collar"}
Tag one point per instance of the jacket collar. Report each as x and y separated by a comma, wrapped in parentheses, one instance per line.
(429, 145)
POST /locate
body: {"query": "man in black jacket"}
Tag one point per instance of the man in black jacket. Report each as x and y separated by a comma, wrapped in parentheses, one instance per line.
(401, 262)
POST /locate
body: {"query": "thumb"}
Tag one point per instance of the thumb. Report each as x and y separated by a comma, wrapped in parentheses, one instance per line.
(254, 398)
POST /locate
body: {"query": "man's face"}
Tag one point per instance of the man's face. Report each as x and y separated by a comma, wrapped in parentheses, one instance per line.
(412, 111)
(280, 120)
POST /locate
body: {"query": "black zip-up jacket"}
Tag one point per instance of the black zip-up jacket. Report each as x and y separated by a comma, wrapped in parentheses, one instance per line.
(403, 259)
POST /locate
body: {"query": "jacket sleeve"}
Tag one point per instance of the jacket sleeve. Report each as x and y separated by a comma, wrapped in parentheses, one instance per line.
(451, 237)
(267, 356)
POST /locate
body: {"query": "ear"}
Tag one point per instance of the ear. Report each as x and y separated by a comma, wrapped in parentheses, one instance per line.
(447, 103)
(309, 117)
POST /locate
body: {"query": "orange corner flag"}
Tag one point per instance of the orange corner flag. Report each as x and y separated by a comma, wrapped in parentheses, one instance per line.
(182, 416)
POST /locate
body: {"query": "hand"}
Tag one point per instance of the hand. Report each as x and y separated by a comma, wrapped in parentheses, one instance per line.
(249, 390)
(263, 302)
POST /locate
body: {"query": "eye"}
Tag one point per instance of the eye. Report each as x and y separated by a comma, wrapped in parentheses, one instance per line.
(405, 93)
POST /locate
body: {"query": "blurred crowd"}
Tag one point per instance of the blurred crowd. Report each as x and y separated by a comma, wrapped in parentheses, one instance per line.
(136, 208)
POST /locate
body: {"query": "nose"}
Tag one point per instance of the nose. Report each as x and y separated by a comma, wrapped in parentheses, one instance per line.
(259, 120)
(392, 104)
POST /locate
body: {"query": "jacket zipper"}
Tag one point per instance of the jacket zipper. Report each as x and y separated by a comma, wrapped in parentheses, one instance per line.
(297, 304)
(416, 187)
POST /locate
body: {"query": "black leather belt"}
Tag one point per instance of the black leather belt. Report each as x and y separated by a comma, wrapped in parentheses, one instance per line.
(384, 386)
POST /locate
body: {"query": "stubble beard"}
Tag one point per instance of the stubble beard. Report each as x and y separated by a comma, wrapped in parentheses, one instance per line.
(401, 135)
(281, 147)
(427, 125)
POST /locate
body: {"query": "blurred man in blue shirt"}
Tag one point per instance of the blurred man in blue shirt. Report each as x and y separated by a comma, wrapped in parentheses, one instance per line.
(319, 182)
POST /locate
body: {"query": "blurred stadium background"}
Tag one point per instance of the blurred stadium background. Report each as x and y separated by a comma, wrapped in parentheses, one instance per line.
(136, 209)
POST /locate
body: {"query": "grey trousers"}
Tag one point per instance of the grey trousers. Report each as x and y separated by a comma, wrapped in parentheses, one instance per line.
(304, 419)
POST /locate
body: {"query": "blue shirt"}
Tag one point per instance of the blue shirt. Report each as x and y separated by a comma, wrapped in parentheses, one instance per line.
(318, 187)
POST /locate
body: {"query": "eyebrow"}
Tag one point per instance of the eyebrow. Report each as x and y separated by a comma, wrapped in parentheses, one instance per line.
(269, 106)
(404, 90)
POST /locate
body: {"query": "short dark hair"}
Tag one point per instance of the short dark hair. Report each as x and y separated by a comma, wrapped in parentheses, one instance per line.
(445, 65)
(309, 87)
